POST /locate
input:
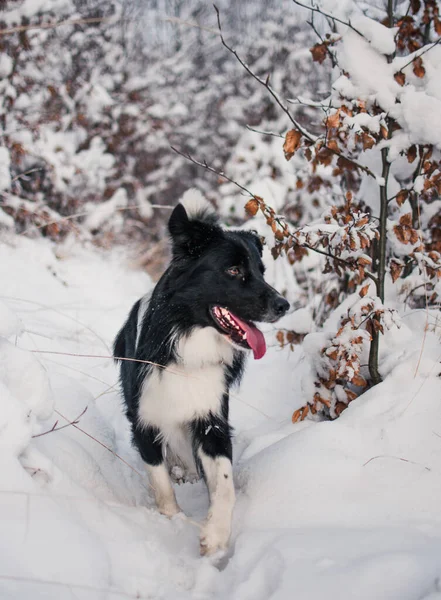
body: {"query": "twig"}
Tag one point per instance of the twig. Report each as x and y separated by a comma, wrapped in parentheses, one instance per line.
(396, 458)
(309, 136)
(22, 175)
(420, 54)
(316, 9)
(55, 428)
(279, 135)
(330, 54)
(56, 24)
(414, 290)
(137, 360)
(265, 83)
(281, 222)
(89, 435)
(204, 165)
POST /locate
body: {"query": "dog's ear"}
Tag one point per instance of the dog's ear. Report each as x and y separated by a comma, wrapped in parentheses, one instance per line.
(191, 232)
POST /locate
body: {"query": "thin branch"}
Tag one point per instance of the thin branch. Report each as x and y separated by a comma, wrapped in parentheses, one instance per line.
(338, 259)
(56, 24)
(406, 460)
(265, 83)
(55, 428)
(204, 165)
(279, 135)
(328, 50)
(281, 222)
(313, 8)
(309, 136)
(137, 360)
(420, 54)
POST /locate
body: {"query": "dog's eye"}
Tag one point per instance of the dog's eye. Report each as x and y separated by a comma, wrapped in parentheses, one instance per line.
(233, 271)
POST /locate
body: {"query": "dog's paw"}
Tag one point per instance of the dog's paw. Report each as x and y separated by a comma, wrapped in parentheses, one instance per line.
(179, 475)
(169, 509)
(214, 538)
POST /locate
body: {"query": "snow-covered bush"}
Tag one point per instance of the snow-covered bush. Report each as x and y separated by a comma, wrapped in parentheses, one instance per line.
(364, 188)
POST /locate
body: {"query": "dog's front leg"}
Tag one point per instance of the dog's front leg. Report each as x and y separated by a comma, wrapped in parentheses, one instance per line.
(213, 449)
(150, 446)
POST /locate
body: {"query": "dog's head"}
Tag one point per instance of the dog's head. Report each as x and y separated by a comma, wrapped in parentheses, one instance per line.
(219, 275)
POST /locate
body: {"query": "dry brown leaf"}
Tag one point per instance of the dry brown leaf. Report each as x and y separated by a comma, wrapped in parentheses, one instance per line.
(364, 260)
(402, 196)
(412, 153)
(334, 120)
(364, 290)
(418, 68)
(367, 140)
(252, 206)
(406, 220)
(296, 415)
(319, 52)
(359, 380)
(400, 78)
(292, 143)
(395, 270)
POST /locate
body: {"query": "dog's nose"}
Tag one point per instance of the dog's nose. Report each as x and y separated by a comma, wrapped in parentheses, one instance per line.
(280, 306)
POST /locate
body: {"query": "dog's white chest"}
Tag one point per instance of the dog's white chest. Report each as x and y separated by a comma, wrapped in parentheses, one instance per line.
(189, 389)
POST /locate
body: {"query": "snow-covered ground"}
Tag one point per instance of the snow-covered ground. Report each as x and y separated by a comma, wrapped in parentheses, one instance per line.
(344, 510)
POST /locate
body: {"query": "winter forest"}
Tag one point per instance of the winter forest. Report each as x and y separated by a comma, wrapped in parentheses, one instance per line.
(315, 123)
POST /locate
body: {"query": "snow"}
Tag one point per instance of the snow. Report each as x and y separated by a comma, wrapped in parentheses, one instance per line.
(380, 36)
(421, 115)
(343, 509)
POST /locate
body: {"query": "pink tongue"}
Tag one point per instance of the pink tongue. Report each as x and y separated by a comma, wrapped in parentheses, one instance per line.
(255, 338)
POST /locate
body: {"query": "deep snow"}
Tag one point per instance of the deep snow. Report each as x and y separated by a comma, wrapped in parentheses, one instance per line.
(344, 510)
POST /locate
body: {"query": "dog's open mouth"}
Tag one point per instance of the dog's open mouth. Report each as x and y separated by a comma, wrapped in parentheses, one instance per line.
(239, 332)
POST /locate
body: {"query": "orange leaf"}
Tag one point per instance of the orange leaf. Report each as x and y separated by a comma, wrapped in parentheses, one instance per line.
(418, 68)
(406, 220)
(364, 291)
(252, 206)
(334, 120)
(402, 196)
(364, 260)
(367, 140)
(292, 143)
(319, 52)
(412, 153)
(395, 270)
(400, 78)
(359, 380)
(296, 415)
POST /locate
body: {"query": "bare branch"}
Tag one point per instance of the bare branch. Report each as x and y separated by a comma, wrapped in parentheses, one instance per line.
(279, 135)
(282, 222)
(328, 50)
(55, 428)
(316, 9)
(309, 136)
(421, 54)
(56, 24)
(265, 83)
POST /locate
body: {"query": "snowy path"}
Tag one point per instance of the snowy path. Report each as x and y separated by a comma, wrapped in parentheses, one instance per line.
(344, 510)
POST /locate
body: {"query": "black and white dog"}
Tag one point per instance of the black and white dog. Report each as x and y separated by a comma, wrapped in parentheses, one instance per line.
(193, 330)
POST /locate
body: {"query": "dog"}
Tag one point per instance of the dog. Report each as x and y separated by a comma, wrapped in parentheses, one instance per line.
(189, 340)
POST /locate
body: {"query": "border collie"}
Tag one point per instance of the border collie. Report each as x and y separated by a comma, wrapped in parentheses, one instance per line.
(194, 331)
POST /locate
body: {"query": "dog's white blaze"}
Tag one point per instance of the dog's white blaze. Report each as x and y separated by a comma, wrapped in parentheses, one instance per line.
(189, 389)
(217, 528)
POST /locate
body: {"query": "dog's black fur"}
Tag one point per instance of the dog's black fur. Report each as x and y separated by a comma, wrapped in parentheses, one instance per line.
(210, 267)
